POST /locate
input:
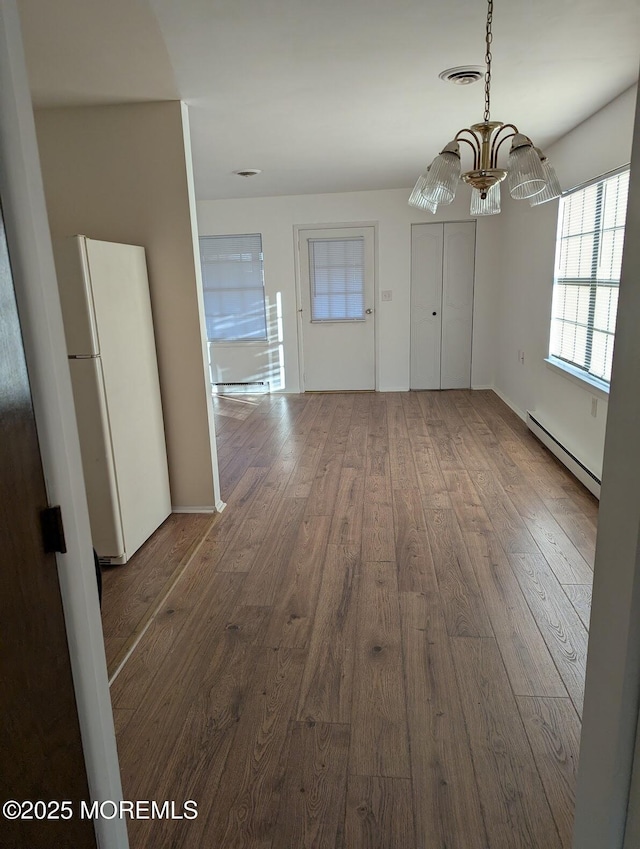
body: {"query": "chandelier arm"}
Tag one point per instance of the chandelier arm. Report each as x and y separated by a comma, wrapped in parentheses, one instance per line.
(494, 153)
(473, 144)
(497, 141)
(474, 149)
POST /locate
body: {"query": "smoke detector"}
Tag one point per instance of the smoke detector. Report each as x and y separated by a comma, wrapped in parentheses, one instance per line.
(248, 172)
(463, 75)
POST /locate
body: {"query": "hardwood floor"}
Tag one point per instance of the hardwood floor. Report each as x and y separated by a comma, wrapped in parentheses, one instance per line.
(130, 592)
(380, 643)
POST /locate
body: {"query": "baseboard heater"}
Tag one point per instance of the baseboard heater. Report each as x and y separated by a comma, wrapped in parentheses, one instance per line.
(248, 387)
(575, 466)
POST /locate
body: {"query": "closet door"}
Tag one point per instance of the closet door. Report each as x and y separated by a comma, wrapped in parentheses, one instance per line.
(457, 304)
(426, 305)
(442, 272)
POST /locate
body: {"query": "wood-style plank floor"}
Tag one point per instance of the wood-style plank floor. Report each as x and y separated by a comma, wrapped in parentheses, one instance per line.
(381, 642)
(130, 593)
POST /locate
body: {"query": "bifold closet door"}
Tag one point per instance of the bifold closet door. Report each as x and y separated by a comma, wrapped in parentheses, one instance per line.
(442, 272)
(458, 265)
(426, 305)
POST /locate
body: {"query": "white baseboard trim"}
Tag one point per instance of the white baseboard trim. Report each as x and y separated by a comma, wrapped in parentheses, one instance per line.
(220, 505)
(483, 387)
(205, 509)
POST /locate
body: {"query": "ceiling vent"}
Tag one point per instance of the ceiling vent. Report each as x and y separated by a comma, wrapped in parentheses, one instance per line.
(464, 75)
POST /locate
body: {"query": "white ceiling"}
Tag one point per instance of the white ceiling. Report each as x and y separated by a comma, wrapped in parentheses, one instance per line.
(332, 95)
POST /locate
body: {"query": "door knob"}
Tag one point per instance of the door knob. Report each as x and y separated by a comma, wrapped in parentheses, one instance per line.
(369, 311)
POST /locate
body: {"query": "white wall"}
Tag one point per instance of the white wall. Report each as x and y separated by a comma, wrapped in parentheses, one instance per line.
(276, 217)
(122, 174)
(527, 237)
(604, 807)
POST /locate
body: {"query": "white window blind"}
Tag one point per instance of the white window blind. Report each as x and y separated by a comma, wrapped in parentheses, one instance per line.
(233, 283)
(336, 274)
(587, 275)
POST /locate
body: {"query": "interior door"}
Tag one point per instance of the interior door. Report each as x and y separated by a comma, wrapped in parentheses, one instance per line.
(458, 271)
(442, 278)
(337, 308)
(41, 754)
(426, 305)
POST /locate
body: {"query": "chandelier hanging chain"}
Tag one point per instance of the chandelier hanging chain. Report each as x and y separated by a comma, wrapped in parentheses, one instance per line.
(487, 59)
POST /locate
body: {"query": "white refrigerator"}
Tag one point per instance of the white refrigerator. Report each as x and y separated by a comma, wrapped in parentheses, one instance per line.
(106, 308)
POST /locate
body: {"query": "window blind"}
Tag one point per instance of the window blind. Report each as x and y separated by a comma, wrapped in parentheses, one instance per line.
(233, 283)
(336, 274)
(587, 275)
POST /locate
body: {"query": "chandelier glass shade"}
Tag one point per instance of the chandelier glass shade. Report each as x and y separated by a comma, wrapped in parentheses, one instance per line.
(528, 172)
(419, 198)
(487, 205)
(552, 188)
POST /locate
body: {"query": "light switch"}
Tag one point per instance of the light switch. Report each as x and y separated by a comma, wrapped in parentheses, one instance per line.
(387, 294)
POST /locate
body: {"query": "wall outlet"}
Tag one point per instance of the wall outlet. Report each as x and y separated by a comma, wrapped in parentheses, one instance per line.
(594, 407)
(387, 294)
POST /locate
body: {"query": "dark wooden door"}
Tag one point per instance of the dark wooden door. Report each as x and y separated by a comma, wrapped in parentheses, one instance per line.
(40, 748)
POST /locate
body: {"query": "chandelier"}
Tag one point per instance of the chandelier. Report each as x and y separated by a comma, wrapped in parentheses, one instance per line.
(528, 173)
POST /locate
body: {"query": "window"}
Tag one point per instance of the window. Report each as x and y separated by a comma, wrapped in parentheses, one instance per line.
(587, 275)
(336, 274)
(233, 282)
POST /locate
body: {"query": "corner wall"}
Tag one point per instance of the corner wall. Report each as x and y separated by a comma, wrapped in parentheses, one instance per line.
(121, 173)
(527, 238)
(276, 217)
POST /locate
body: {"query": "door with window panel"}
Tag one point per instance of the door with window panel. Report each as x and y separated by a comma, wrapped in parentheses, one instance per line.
(336, 308)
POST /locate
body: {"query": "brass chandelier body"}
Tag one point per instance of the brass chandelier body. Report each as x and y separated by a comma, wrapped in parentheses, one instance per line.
(485, 154)
(529, 172)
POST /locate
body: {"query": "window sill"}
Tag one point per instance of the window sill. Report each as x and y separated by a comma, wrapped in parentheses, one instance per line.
(249, 343)
(591, 384)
